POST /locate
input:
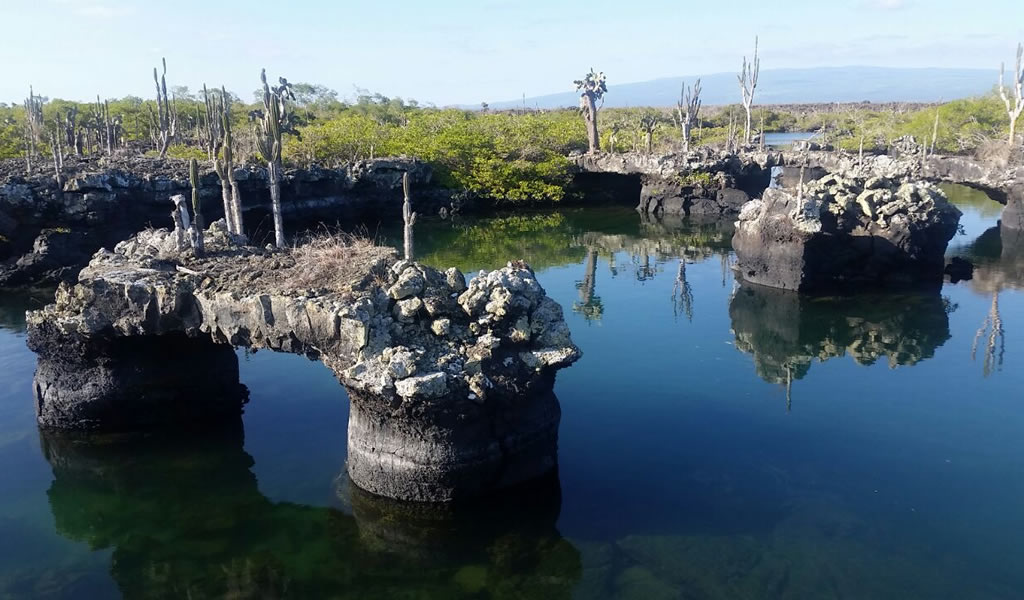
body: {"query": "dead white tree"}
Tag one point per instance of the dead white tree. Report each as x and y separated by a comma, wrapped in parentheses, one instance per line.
(687, 111)
(1015, 108)
(748, 83)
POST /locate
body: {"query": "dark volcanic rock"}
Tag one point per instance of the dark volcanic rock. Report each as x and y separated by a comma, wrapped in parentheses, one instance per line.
(846, 233)
(138, 383)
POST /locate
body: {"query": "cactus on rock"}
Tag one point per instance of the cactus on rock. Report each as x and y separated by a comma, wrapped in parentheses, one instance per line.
(273, 120)
(197, 224)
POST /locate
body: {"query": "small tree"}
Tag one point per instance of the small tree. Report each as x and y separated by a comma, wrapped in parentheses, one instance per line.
(592, 88)
(1015, 108)
(687, 111)
(273, 119)
(748, 83)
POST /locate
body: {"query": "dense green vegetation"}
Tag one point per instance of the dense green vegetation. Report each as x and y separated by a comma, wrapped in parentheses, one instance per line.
(511, 156)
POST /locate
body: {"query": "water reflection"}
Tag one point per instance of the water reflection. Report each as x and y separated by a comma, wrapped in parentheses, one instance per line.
(998, 258)
(785, 332)
(184, 518)
(14, 303)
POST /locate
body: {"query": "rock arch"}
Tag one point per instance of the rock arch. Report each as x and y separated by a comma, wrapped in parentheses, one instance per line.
(450, 383)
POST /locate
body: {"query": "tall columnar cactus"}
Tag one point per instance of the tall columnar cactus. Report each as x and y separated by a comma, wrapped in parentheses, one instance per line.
(33, 126)
(197, 222)
(408, 217)
(748, 83)
(592, 88)
(223, 163)
(688, 111)
(102, 115)
(165, 120)
(272, 120)
(212, 134)
(1016, 107)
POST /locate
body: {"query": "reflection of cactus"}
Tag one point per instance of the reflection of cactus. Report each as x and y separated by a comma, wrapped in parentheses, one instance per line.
(197, 224)
(589, 304)
(682, 293)
(995, 341)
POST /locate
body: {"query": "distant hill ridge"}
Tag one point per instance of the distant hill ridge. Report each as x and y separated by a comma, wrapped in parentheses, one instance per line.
(789, 86)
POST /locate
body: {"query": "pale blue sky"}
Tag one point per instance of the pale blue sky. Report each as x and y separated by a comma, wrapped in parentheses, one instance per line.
(449, 51)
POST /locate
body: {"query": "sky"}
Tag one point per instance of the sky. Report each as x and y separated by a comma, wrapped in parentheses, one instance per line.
(466, 52)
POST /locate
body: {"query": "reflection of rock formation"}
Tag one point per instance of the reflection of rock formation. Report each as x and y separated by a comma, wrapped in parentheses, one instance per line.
(184, 518)
(14, 303)
(998, 257)
(785, 331)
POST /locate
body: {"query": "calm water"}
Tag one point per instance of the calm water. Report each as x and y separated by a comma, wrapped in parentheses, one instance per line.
(782, 139)
(716, 442)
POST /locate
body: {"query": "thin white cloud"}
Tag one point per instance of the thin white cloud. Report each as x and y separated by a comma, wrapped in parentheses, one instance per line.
(886, 4)
(97, 9)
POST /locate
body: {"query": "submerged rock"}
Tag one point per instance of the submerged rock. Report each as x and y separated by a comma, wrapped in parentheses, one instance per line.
(845, 232)
(410, 343)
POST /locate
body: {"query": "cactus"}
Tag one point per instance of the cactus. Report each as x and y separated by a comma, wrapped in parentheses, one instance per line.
(229, 165)
(748, 83)
(408, 217)
(197, 224)
(33, 126)
(1015, 108)
(592, 88)
(647, 123)
(165, 120)
(688, 111)
(273, 119)
(215, 140)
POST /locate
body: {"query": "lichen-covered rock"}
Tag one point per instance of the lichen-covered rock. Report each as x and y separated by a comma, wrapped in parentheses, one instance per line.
(450, 383)
(845, 232)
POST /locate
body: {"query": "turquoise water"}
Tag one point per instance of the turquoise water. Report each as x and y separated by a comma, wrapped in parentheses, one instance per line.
(716, 442)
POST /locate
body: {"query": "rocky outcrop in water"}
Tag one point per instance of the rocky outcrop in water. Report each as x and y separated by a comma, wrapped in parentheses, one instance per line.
(699, 184)
(1003, 182)
(845, 232)
(48, 234)
(449, 381)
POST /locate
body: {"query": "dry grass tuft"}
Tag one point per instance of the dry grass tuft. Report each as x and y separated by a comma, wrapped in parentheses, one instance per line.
(335, 262)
